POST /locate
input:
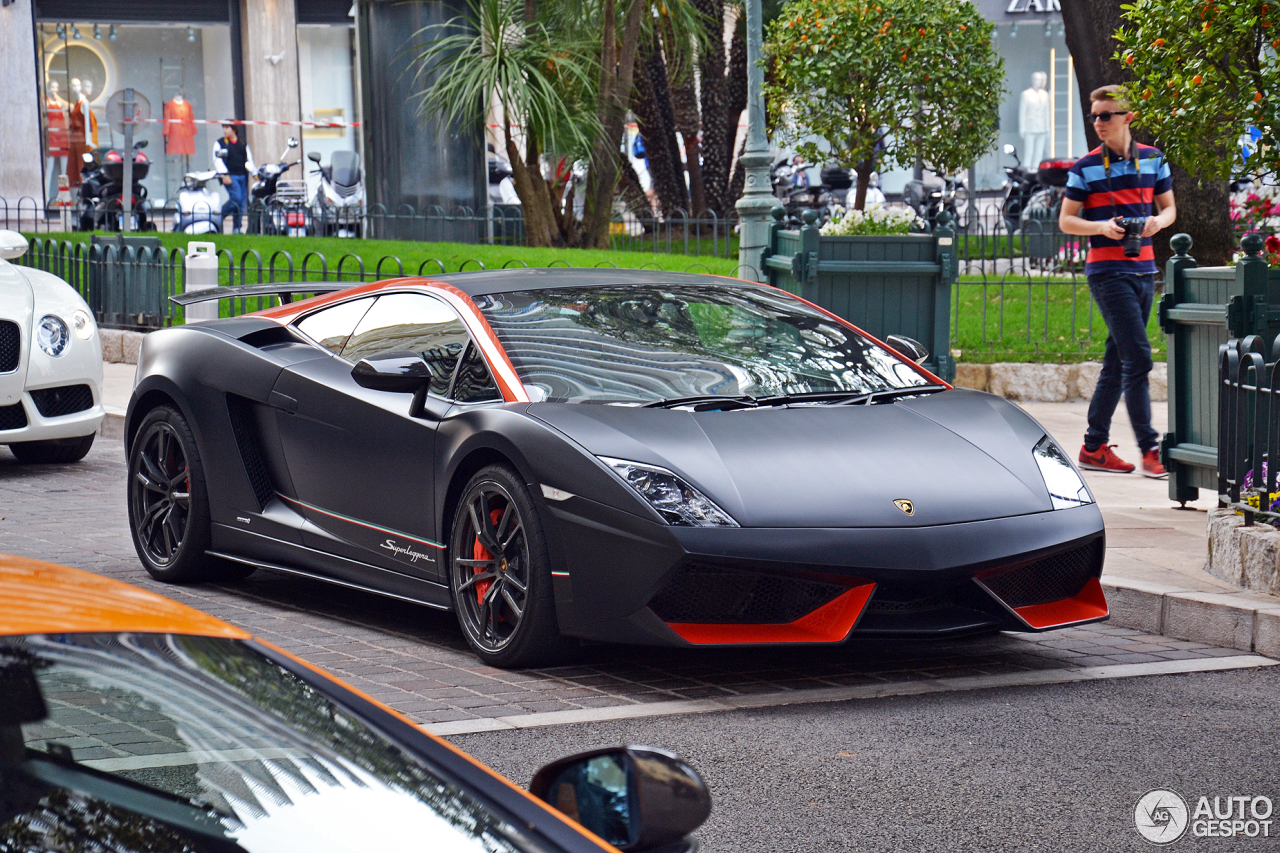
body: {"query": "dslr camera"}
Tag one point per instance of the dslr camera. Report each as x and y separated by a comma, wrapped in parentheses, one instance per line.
(1132, 240)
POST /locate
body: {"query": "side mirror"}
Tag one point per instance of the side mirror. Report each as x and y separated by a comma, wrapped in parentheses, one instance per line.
(87, 158)
(403, 372)
(634, 797)
(314, 157)
(12, 245)
(912, 349)
(141, 143)
(23, 702)
(292, 142)
(1009, 149)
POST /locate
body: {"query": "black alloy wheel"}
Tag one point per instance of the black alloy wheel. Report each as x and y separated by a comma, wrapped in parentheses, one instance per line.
(168, 503)
(499, 573)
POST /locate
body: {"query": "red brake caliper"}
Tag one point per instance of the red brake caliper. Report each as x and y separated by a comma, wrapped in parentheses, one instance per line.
(479, 552)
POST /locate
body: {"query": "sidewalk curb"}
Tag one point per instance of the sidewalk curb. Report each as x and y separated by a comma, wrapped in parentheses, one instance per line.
(112, 425)
(1233, 620)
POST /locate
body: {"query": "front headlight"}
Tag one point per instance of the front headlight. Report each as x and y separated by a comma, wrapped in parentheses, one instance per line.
(83, 324)
(678, 503)
(52, 335)
(1066, 488)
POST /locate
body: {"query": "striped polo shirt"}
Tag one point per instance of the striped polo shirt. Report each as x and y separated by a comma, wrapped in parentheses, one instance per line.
(1133, 191)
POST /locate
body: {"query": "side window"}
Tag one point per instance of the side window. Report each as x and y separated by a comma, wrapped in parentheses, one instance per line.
(330, 327)
(474, 383)
(412, 322)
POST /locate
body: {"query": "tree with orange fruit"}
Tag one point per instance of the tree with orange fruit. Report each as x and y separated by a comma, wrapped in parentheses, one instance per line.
(893, 79)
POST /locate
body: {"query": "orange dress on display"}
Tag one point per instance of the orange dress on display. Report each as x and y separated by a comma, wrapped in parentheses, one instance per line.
(77, 144)
(179, 127)
(55, 110)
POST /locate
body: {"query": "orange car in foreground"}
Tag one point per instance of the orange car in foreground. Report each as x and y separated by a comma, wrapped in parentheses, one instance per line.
(129, 722)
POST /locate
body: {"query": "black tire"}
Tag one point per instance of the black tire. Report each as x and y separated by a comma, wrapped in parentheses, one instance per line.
(500, 575)
(169, 505)
(52, 451)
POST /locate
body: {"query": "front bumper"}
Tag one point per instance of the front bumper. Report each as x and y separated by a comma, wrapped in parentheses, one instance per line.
(39, 427)
(619, 578)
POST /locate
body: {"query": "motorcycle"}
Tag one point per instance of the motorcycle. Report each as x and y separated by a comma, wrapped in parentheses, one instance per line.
(339, 200)
(799, 188)
(934, 194)
(100, 201)
(1020, 185)
(275, 206)
(199, 208)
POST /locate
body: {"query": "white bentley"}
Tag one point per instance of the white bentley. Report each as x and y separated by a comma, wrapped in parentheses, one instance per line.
(50, 363)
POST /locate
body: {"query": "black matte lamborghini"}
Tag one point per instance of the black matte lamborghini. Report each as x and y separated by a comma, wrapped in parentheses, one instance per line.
(623, 456)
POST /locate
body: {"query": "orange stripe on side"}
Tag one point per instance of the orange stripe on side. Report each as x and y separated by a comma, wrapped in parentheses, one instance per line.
(504, 372)
(1088, 605)
(286, 314)
(1132, 195)
(830, 623)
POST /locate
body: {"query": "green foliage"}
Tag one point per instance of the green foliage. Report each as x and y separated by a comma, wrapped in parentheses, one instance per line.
(1202, 71)
(850, 71)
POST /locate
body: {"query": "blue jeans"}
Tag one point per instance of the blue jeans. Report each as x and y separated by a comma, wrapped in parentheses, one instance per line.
(1125, 303)
(238, 203)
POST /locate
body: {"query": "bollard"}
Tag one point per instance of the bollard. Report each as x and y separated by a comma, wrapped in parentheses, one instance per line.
(200, 272)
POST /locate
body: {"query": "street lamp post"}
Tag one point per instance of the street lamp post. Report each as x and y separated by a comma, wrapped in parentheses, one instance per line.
(757, 199)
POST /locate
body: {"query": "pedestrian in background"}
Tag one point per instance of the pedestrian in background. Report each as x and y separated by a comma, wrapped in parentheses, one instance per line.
(1117, 187)
(233, 160)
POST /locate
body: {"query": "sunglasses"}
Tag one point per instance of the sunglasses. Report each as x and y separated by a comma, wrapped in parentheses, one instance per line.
(1106, 116)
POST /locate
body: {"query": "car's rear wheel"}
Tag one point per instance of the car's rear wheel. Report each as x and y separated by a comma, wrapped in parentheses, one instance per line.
(169, 505)
(500, 574)
(52, 451)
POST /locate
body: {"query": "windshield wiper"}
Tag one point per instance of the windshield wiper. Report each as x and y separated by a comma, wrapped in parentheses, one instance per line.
(704, 402)
(891, 393)
(809, 397)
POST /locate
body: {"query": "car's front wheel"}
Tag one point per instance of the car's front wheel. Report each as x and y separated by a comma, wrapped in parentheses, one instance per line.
(52, 451)
(500, 574)
(168, 502)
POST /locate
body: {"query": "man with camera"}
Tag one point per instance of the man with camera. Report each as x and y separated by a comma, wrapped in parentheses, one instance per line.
(1119, 195)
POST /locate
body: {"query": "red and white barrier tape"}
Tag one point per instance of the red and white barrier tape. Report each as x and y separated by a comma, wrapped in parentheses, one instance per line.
(238, 121)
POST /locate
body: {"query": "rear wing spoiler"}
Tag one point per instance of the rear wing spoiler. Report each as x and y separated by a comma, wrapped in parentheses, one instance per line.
(284, 290)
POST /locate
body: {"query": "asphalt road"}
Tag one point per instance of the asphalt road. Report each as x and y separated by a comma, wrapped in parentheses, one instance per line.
(1056, 768)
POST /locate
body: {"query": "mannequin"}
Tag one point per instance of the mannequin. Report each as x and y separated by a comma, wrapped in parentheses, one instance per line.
(76, 144)
(179, 127)
(56, 129)
(1033, 120)
(90, 120)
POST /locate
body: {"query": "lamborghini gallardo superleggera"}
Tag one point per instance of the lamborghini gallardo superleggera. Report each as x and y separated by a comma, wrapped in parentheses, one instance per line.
(622, 456)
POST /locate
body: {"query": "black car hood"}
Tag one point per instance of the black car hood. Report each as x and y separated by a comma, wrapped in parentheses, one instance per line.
(956, 455)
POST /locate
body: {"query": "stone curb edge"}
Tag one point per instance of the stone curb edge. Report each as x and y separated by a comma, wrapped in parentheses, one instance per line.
(1228, 620)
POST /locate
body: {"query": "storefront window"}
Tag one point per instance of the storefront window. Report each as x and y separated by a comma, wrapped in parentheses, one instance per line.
(326, 63)
(180, 73)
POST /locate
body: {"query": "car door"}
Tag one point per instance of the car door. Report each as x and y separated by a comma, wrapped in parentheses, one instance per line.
(361, 461)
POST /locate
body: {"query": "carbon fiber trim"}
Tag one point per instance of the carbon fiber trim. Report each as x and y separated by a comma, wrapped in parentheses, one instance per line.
(720, 595)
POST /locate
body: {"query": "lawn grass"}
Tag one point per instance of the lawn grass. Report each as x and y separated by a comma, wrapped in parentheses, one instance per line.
(1047, 320)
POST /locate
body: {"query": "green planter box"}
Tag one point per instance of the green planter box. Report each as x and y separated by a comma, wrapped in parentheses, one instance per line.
(884, 285)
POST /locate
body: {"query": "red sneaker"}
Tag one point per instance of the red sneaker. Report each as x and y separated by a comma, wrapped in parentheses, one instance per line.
(1105, 459)
(1151, 466)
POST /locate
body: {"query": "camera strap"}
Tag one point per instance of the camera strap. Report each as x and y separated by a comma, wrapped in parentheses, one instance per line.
(1137, 165)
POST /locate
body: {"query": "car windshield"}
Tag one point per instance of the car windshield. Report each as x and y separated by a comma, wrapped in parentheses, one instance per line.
(154, 742)
(643, 344)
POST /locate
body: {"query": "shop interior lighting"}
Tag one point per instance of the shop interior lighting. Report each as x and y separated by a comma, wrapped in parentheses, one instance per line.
(191, 34)
(114, 32)
(75, 32)
(97, 32)
(62, 31)
(1048, 29)
(1013, 30)
(1062, 30)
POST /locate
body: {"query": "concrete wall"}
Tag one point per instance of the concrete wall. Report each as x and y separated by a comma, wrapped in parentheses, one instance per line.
(21, 156)
(269, 29)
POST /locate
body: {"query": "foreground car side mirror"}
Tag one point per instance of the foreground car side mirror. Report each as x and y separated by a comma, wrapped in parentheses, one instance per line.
(12, 245)
(634, 797)
(909, 347)
(404, 372)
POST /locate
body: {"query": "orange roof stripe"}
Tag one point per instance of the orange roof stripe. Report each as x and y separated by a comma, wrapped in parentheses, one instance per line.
(42, 598)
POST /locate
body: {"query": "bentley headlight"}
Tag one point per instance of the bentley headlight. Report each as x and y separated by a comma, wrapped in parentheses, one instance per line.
(1066, 488)
(52, 335)
(675, 500)
(83, 324)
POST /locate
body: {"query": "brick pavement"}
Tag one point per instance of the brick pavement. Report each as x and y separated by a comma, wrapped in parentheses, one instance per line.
(415, 660)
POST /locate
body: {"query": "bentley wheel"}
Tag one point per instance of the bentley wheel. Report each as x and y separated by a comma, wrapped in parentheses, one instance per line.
(168, 505)
(499, 573)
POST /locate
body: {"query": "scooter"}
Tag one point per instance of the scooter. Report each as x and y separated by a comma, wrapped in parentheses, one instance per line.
(275, 206)
(1020, 185)
(199, 208)
(338, 204)
(934, 194)
(100, 199)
